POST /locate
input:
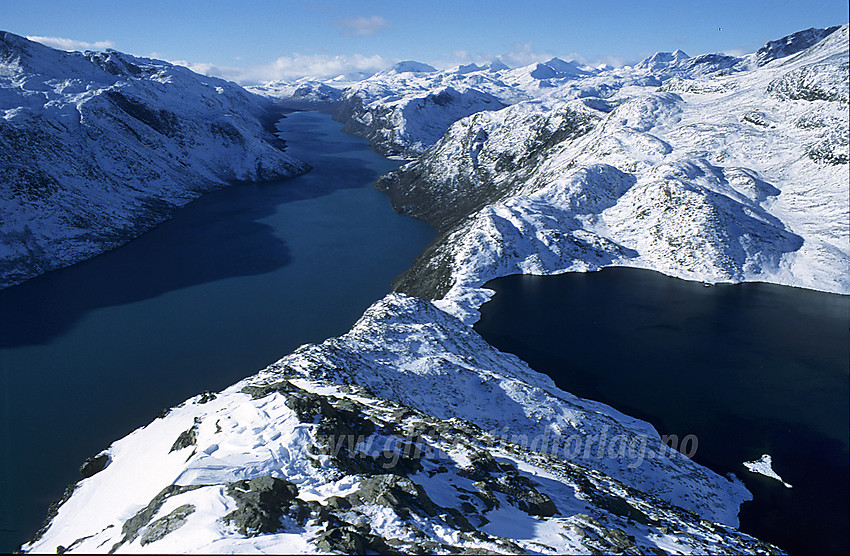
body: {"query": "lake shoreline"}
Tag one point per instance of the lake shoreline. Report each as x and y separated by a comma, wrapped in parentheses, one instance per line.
(235, 280)
(529, 316)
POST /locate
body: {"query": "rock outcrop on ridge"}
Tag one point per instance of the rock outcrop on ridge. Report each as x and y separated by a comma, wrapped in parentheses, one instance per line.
(385, 440)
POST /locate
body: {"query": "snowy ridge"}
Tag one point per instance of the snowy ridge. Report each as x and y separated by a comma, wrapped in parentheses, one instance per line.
(353, 446)
(304, 94)
(405, 125)
(729, 178)
(396, 99)
(410, 432)
(377, 107)
(98, 147)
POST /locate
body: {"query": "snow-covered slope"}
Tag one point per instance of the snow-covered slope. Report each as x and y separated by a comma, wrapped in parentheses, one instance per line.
(303, 94)
(724, 178)
(410, 433)
(406, 124)
(96, 148)
(395, 108)
(386, 439)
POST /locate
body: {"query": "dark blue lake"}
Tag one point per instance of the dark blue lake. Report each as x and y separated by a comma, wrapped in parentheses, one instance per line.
(749, 369)
(233, 282)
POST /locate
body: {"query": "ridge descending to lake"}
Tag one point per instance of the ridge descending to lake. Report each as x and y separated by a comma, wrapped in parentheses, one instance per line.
(235, 279)
(747, 369)
(410, 432)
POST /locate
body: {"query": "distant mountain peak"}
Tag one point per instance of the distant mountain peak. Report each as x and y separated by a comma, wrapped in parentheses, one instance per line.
(497, 65)
(543, 71)
(566, 67)
(411, 66)
(469, 68)
(662, 59)
(556, 67)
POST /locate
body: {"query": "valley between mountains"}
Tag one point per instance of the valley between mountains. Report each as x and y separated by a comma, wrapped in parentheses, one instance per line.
(410, 433)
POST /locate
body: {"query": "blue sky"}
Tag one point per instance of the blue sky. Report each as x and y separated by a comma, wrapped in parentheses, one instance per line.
(269, 39)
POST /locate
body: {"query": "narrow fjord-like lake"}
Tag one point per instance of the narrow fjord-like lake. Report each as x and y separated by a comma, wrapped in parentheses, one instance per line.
(750, 369)
(236, 280)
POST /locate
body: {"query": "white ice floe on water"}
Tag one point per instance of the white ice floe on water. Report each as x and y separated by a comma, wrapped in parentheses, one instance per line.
(764, 466)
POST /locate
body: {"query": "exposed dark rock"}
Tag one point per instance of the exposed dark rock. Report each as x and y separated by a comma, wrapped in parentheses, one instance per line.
(423, 189)
(755, 117)
(620, 507)
(832, 149)
(207, 397)
(187, 438)
(492, 476)
(261, 502)
(537, 503)
(481, 465)
(161, 121)
(167, 524)
(792, 44)
(811, 83)
(134, 525)
(52, 510)
(348, 540)
(263, 390)
(308, 406)
(399, 493)
(455, 518)
(430, 275)
(337, 503)
(94, 465)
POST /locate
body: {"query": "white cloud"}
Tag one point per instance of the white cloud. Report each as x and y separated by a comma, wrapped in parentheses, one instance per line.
(524, 54)
(71, 44)
(613, 61)
(362, 26)
(738, 52)
(318, 65)
(290, 68)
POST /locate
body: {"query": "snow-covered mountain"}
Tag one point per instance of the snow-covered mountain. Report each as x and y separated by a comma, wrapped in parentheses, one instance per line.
(410, 433)
(407, 123)
(723, 178)
(303, 94)
(385, 440)
(96, 148)
(395, 110)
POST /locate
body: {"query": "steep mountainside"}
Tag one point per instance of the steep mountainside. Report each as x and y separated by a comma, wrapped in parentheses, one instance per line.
(385, 440)
(405, 125)
(96, 148)
(725, 178)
